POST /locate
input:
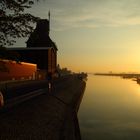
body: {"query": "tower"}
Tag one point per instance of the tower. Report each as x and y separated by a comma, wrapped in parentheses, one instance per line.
(49, 16)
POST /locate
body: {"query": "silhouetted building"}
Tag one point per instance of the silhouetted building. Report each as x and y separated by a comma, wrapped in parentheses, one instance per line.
(40, 36)
(40, 50)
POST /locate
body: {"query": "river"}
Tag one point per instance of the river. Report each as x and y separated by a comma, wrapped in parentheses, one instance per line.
(110, 109)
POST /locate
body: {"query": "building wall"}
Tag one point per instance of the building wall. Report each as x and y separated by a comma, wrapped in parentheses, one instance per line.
(52, 61)
(39, 57)
(11, 70)
(45, 59)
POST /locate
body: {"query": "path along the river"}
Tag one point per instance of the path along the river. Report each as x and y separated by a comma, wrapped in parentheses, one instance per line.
(50, 116)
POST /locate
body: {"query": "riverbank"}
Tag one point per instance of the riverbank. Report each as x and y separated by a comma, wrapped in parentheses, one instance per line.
(134, 77)
(123, 75)
(48, 116)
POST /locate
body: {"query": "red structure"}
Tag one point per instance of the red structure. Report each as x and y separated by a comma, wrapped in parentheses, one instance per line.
(11, 70)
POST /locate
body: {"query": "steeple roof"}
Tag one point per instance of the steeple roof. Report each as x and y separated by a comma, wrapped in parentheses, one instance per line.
(40, 36)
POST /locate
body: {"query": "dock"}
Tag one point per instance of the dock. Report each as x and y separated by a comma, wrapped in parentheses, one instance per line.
(49, 116)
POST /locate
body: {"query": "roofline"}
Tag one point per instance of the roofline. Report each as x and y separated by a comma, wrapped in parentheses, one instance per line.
(13, 61)
(32, 48)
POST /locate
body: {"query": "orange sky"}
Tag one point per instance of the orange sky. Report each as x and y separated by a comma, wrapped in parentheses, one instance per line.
(94, 36)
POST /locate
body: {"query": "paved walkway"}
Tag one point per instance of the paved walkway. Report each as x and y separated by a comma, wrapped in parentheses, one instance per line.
(46, 117)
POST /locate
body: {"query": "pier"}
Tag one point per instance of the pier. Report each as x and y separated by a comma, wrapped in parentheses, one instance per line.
(50, 116)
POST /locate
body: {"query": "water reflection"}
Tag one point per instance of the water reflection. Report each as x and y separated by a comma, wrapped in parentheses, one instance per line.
(110, 109)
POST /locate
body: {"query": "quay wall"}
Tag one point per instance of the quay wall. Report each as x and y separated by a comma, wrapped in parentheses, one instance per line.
(50, 116)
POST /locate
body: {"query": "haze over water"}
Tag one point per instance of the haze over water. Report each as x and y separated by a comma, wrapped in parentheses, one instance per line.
(110, 109)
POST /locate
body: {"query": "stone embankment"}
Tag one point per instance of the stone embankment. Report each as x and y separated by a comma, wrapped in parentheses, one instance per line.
(50, 116)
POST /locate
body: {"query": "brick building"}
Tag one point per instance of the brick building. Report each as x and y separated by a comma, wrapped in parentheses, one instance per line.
(40, 50)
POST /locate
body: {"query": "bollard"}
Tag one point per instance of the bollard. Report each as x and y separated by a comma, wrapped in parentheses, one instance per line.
(1, 100)
(50, 87)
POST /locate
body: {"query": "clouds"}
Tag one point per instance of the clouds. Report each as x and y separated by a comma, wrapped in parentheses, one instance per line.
(93, 13)
(68, 14)
(99, 31)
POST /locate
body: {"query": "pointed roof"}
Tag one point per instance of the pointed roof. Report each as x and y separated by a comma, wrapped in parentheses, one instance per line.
(40, 36)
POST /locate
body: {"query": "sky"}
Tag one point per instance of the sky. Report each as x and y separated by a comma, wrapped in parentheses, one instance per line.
(93, 35)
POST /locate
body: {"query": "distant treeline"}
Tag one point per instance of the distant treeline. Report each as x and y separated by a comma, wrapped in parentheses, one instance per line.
(123, 75)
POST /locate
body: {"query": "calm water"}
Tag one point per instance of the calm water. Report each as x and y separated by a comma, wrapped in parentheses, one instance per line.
(110, 109)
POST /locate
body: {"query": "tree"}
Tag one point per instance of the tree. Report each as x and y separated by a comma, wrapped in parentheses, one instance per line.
(14, 22)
